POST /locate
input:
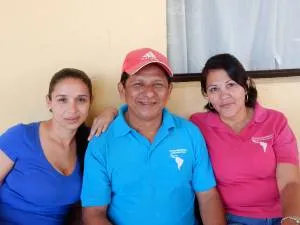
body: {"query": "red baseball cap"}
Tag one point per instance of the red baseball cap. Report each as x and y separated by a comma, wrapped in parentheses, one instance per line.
(139, 58)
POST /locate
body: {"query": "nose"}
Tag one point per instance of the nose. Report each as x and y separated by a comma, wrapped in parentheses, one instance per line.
(72, 106)
(224, 93)
(149, 91)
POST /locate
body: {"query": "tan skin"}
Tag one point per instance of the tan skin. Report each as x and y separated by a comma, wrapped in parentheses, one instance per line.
(228, 98)
(70, 103)
(146, 94)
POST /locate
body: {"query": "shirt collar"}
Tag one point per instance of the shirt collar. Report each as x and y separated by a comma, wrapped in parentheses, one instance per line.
(260, 113)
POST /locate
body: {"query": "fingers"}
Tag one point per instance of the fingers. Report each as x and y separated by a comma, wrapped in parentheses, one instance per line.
(91, 134)
(102, 121)
(97, 128)
(104, 127)
(93, 130)
(99, 131)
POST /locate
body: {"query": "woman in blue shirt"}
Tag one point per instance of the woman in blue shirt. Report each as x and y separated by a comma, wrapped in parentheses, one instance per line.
(41, 162)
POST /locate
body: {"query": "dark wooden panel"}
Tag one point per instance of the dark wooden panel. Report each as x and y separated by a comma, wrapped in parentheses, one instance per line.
(187, 77)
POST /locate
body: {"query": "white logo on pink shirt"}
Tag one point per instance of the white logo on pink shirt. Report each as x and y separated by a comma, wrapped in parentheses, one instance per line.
(175, 154)
(262, 141)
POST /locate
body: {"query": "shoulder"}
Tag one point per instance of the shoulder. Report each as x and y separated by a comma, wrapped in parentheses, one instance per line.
(203, 120)
(19, 130)
(181, 122)
(263, 114)
(16, 139)
(97, 145)
(199, 117)
(188, 127)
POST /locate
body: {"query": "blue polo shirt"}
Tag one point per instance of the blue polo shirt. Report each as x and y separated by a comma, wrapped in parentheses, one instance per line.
(143, 182)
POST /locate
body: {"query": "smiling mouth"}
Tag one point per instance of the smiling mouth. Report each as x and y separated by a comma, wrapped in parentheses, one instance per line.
(72, 120)
(147, 103)
(226, 105)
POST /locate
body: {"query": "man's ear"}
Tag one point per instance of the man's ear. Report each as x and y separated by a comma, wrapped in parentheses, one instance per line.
(121, 90)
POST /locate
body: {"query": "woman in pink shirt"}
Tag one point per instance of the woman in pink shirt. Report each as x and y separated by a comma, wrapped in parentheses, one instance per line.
(252, 149)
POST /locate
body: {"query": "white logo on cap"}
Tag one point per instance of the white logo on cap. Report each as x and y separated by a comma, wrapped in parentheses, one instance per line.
(149, 55)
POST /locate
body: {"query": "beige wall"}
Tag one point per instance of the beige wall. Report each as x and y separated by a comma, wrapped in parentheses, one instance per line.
(37, 38)
(40, 37)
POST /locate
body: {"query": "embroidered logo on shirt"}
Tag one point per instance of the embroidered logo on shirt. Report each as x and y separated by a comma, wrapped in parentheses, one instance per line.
(176, 154)
(262, 141)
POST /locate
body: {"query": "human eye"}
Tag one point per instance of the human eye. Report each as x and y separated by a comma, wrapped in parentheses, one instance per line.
(82, 99)
(158, 85)
(231, 84)
(137, 85)
(213, 89)
(62, 100)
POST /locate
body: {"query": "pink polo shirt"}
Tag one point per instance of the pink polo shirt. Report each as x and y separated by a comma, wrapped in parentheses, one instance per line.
(245, 163)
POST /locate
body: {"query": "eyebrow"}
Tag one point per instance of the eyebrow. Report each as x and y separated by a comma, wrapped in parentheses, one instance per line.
(229, 81)
(211, 85)
(82, 95)
(217, 84)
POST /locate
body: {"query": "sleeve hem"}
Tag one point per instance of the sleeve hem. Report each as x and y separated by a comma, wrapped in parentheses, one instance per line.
(94, 203)
(204, 188)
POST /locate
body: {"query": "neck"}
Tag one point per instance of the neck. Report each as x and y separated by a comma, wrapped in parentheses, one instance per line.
(58, 133)
(240, 121)
(147, 128)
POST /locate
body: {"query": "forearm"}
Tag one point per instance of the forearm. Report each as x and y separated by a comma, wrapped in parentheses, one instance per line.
(96, 220)
(93, 217)
(211, 210)
(290, 199)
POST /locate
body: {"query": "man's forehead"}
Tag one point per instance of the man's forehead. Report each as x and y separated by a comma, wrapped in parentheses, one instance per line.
(148, 75)
(152, 68)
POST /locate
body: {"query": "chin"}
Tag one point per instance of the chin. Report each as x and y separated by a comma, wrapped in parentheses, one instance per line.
(73, 126)
(148, 117)
(228, 114)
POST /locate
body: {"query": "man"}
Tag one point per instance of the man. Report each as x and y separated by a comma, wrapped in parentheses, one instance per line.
(150, 163)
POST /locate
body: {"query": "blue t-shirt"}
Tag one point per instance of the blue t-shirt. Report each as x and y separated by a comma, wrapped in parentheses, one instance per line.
(147, 183)
(34, 192)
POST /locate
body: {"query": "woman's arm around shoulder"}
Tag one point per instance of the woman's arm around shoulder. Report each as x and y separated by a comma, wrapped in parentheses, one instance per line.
(102, 121)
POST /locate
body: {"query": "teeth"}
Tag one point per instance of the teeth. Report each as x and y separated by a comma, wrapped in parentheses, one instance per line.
(147, 103)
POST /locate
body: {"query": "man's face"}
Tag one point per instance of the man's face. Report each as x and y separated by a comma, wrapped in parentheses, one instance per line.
(146, 93)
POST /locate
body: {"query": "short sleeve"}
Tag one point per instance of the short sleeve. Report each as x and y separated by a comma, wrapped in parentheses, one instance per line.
(203, 176)
(285, 144)
(11, 141)
(96, 188)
